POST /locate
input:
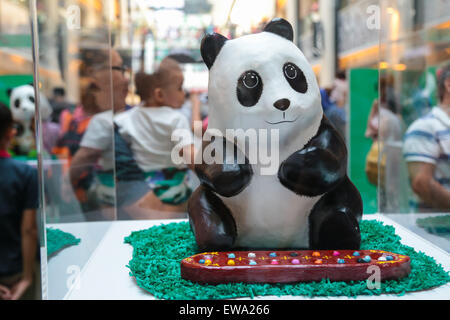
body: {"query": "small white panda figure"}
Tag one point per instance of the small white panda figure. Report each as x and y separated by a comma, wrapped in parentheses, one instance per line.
(263, 81)
(22, 105)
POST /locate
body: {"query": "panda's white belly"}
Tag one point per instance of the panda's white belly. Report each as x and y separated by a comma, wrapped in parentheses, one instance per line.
(268, 215)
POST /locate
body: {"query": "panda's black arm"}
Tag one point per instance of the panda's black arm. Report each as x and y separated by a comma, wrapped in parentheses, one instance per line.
(319, 167)
(227, 178)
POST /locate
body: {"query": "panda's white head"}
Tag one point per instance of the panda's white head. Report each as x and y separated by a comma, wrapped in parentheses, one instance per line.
(260, 81)
(22, 104)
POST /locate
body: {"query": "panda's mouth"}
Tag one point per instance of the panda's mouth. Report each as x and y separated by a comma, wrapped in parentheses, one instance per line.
(282, 121)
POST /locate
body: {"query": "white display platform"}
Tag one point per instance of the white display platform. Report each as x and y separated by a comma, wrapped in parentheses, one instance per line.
(105, 275)
(409, 220)
(65, 265)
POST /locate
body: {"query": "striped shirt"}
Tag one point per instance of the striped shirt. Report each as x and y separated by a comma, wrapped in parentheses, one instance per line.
(428, 140)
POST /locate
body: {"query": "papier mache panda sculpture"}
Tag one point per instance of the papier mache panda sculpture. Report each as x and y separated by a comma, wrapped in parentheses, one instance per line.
(263, 81)
(22, 105)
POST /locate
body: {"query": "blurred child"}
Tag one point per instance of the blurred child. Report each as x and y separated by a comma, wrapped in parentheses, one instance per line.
(149, 128)
(18, 231)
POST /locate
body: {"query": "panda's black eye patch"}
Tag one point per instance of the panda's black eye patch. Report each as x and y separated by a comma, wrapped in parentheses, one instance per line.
(17, 103)
(295, 77)
(31, 98)
(249, 88)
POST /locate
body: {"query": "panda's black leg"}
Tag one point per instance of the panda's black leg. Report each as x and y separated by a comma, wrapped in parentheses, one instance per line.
(334, 220)
(211, 221)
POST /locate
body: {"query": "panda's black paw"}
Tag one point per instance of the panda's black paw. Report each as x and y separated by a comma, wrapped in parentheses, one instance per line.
(311, 172)
(226, 179)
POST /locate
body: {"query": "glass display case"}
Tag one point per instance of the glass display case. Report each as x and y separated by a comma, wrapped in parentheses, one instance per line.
(413, 119)
(72, 43)
(100, 211)
(93, 52)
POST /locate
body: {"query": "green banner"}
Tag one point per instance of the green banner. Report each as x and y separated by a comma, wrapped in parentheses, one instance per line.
(12, 81)
(363, 87)
(15, 40)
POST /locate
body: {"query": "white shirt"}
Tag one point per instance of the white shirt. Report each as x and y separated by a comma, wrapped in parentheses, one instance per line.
(428, 140)
(153, 132)
(99, 136)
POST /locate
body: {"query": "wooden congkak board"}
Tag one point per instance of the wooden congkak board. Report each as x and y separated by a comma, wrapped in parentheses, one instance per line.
(293, 266)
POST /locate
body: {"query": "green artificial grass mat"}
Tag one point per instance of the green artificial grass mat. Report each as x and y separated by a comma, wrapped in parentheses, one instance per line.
(58, 240)
(158, 251)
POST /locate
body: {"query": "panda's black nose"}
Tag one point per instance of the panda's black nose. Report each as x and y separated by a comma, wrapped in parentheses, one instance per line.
(282, 104)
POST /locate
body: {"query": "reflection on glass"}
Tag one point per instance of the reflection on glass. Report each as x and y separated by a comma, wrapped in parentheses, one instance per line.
(149, 130)
(92, 166)
(415, 169)
(385, 127)
(120, 77)
(84, 80)
(118, 85)
(426, 150)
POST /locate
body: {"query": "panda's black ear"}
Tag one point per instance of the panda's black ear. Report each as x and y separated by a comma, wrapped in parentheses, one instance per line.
(210, 47)
(280, 27)
(8, 92)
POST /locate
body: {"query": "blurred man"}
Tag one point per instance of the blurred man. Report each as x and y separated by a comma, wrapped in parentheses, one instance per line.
(59, 103)
(427, 152)
(109, 87)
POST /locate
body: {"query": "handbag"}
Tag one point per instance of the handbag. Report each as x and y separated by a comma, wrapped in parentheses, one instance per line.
(375, 167)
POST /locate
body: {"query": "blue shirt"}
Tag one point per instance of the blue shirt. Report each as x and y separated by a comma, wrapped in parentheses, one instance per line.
(18, 192)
